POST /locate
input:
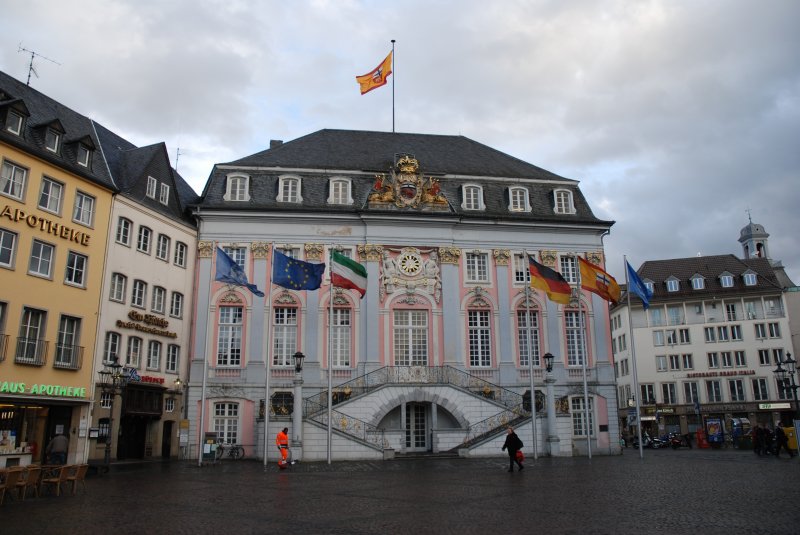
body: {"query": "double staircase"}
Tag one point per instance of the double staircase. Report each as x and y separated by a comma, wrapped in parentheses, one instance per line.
(510, 404)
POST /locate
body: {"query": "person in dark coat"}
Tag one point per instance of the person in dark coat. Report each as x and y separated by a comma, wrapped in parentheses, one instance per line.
(513, 444)
(781, 441)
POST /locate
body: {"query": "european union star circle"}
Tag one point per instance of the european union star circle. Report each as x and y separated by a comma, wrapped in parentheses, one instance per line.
(296, 274)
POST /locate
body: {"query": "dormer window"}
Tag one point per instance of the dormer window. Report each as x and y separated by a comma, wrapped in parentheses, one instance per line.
(152, 184)
(289, 190)
(750, 279)
(673, 285)
(52, 139)
(473, 197)
(650, 286)
(726, 280)
(698, 282)
(237, 188)
(518, 200)
(83, 155)
(163, 196)
(340, 192)
(563, 202)
(14, 122)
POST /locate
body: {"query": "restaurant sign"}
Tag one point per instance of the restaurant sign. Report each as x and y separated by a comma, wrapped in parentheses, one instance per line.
(147, 323)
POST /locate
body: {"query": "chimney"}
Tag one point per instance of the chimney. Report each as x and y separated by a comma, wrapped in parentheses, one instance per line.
(275, 143)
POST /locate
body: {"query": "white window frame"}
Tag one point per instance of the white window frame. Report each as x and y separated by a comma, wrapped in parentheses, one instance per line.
(341, 337)
(698, 283)
(169, 404)
(522, 272)
(154, 355)
(518, 200)
(574, 321)
(176, 305)
(340, 191)
(237, 254)
(760, 389)
(524, 320)
(479, 338)
(41, 259)
(83, 155)
(285, 330)
(51, 195)
(52, 140)
(83, 212)
(472, 195)
(687, 361)
(67, 344)
(563, 202)
(163, 194)
(162, 247)
(152, 186)
(237, 188)
(661, 363)
(139, 294)
(123, 233)
(578, 412)
(111, 347)
(673, 285)
(179, 258)
(13, 179)
(159, 299)
(477, 266)
(133, 352)
(144, 237)
(14, 122)
(669, 393)
(691, 394)
(750, 279)
(726, 281)
(290, 189)
(410, 337)
(226, 422)
(8, 248)
(173, 358)
(713, 391)
(75, 270)
(736, 390)
(569, 268)
(713, 360)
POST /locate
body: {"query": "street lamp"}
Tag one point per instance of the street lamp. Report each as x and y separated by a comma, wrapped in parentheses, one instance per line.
(548, 362)
(113, 379)
(298, 361)
(786, 378)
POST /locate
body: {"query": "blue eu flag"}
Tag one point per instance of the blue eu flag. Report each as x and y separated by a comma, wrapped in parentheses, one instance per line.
(636, 286)
(229, 272)
(295, 274)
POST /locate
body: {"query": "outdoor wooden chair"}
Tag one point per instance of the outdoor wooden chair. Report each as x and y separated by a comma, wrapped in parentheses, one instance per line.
(9, 482)
(32, 476)
(77, 474)
(56, 477)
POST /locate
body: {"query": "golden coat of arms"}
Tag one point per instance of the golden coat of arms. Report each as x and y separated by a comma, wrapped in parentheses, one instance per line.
(406, 188)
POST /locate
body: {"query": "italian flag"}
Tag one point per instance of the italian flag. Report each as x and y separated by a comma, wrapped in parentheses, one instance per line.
(346, 273)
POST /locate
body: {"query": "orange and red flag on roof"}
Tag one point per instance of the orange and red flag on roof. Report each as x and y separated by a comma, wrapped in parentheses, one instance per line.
(377, 76)
(595, 280)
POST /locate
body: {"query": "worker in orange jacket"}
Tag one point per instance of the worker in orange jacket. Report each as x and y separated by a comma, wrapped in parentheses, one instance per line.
(282, 441)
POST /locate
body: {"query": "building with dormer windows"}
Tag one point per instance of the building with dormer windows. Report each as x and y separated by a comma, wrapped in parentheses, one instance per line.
(706, 348)
(440, 354)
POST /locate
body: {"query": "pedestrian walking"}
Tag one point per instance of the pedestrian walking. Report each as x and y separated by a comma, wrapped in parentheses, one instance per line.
(781, 441)
(513, 444)
(282, 441)
(759, 440)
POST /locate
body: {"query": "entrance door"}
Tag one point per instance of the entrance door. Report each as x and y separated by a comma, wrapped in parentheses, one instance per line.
(132, 436)
(416, 427)
(166, 440)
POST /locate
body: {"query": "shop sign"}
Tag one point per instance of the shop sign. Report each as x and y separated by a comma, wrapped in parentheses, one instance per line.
(721, 374)
(46, 225)
(773, 406)
(17, 387)
(147, 323)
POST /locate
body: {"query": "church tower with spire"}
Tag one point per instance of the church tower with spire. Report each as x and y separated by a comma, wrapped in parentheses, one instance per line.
(754, 240)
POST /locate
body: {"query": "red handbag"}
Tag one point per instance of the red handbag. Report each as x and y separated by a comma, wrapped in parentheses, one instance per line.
(520, 456)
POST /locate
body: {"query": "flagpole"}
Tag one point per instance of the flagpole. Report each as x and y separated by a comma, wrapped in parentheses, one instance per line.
(201, 427)
(268, 357)
(330, 362)
(636, 391)
(584, 357)
(530, 360)
(393, 77)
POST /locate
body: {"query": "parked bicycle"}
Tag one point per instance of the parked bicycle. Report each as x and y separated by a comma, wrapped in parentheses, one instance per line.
(230, 451)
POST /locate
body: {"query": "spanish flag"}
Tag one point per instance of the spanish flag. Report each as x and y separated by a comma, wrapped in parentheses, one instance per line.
(550, 282)
(377, 76)
(595, 280)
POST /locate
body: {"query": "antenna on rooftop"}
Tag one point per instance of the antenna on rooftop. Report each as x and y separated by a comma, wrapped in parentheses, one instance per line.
(177, 155)
(31, 68)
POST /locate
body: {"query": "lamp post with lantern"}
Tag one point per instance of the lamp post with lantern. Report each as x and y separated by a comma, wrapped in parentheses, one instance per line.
(297, 411)
(549, 381)
(786, 381)
(113, 379)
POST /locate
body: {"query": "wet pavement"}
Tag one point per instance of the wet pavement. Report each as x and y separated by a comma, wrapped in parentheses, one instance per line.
(683, 491)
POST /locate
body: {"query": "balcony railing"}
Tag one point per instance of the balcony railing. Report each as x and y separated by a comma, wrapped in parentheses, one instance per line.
(68, 357)
(31, 351)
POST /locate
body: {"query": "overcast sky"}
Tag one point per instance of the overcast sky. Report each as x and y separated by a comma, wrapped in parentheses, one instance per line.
(675, 116)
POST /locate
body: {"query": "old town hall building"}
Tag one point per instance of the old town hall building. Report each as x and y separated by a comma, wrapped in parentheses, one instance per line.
(441, 352)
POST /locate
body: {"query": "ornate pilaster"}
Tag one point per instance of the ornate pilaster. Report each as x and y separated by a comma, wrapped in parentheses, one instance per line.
(370, 252)
(314, 251)
(449, 255)
(205, 249)
(548, 258)
(260, 250)
(502, 257)
(595, 257)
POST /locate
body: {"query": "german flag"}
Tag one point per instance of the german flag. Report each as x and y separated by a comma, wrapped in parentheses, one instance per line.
(550, 282)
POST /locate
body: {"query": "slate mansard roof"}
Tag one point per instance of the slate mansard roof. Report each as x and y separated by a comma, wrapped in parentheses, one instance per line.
(711, 268)
(360, 155)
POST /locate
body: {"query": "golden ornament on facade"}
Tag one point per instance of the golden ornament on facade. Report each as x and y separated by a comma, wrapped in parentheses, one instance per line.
(370, 252)
(205, 249)
(449, 255)
(314, 251)
(406, 188)
(501, 256)
(595, 257)
(548, 258)
(260, 250)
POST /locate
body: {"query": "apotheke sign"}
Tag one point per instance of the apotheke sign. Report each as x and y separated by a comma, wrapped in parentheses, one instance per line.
(45, 225)
(17, 387)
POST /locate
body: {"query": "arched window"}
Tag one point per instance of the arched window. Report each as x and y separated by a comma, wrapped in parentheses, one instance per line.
(341, 338)
(518, 200)
(289, 190)
(340, 191)
(563, 202)
(528, 337)
(480, 338)
(473, 197)
(238, 188)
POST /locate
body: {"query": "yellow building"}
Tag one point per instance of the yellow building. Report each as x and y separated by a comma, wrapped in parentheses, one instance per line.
(55, 203)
